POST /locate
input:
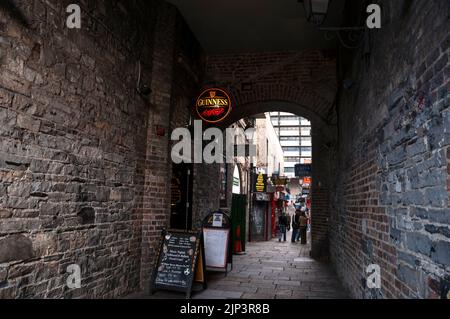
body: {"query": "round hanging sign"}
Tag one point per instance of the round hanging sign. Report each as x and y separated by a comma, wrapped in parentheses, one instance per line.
(213, 105)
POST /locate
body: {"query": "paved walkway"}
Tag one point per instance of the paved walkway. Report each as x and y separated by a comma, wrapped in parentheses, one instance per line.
(269, 270)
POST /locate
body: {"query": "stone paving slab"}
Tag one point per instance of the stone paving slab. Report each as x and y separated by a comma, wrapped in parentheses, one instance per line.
(270, 270)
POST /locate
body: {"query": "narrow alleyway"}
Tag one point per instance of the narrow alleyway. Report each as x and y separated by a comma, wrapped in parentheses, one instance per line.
(269, 270)
(123, 120)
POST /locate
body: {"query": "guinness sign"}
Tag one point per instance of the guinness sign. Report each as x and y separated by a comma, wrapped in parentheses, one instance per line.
(213, 105)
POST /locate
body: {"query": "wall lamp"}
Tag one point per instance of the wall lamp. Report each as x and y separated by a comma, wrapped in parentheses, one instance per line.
(316, 10)
(349, 37)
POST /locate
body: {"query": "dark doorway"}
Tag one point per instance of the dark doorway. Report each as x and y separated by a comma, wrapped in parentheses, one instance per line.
(238, 221)
(258, 221)
(181, 197)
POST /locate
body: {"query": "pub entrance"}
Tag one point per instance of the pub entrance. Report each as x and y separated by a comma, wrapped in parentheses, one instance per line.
(181, 197)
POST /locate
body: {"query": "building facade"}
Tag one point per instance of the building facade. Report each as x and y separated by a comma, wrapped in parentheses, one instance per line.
(269, 154)
(294, 133)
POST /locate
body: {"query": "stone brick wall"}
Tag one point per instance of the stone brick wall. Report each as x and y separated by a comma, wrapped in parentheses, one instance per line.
(84, 176)
(391, 203)
(71, 132)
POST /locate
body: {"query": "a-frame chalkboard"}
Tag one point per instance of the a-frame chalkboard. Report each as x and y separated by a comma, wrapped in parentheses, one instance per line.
(180, 262)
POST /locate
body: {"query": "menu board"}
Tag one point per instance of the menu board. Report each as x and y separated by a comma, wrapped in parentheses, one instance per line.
(216, 247)
(177, 260)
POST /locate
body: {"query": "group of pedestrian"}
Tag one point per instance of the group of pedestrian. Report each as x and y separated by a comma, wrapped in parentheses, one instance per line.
(299, 220)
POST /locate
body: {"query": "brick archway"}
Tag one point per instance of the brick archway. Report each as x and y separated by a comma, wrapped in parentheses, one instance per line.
(288, 97)
(273, 105)
(305, 78)
(299, 82)
(323, 147)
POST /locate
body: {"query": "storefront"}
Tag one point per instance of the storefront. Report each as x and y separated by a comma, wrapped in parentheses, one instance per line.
(260, 214)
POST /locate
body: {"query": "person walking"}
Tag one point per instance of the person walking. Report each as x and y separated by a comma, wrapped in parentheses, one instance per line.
(308, 215)
(303, 226)
(290, 215)
(295, 226)
(282, 225)
(288, 223)
(291, 209)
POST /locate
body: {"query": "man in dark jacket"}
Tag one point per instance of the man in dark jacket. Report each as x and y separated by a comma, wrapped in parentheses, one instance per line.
(295, 226)
(303, 227)
(282, 225)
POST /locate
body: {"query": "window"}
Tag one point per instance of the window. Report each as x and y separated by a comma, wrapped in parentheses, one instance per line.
(305, 131)
(289, 170)
(305, 122)
(306, 140)
(291, 149)
(288, 117)
(289, 138)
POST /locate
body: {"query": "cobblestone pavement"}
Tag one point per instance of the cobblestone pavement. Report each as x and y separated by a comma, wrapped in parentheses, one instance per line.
(270, 270)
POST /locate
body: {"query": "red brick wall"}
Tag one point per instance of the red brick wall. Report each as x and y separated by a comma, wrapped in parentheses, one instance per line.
(179, 69)
(307, 78)
(155, 212)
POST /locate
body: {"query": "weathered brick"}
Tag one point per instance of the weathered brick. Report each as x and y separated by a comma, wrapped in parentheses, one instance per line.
(3, 275)
(419, 243)
(15, 248)
(28, 123)
(441, 253)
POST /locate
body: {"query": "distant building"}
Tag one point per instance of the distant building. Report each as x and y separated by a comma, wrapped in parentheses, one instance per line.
(269, 154)
(294, 133)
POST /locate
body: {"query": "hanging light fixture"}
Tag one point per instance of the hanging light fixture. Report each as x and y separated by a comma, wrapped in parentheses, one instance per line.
(316, 10)
(349, 37)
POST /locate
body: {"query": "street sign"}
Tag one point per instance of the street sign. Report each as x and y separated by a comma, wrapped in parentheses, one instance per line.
(280, 181)
(262, 197)
(303, 170)
(259, 185)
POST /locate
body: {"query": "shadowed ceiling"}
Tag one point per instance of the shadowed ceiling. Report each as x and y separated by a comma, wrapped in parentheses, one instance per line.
(234, 26)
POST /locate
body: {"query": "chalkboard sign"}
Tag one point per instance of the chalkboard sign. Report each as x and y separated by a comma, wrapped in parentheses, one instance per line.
(177, 263)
